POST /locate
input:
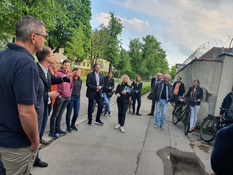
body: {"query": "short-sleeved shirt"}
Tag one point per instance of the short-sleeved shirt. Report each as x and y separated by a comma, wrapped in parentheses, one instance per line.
(19, 79)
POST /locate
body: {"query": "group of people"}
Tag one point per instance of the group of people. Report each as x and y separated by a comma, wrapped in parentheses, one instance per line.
(30, 92)
(101, 89)
(163, 92)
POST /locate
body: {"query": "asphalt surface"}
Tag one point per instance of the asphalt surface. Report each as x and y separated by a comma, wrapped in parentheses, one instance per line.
(141, 150)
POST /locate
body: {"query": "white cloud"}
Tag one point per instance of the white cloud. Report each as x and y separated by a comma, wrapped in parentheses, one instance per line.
(183, 25)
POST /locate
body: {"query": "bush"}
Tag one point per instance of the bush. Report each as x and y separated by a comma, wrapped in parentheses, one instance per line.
(145, 89)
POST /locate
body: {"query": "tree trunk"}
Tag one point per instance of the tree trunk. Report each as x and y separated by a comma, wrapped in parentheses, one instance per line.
(119, 73)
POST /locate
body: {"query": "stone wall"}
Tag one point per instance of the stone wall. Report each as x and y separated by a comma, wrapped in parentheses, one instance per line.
(215, 78)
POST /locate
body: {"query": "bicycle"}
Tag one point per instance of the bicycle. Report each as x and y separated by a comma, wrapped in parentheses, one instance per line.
(180, 114)
(211, 124)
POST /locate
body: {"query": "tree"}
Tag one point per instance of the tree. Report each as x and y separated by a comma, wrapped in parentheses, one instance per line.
(111, 50)
(154, 57)
(124, 62)
(135, 54)
(75, 47)
(12, 10)
(98, 43)
(71, 15)
(173, 72)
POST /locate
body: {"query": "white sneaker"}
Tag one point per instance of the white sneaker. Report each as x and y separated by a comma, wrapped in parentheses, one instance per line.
(155, 126)
(122, 129)
(117, 126)
(105, 115)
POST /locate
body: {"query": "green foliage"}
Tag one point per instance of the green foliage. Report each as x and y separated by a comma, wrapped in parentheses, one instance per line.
(75, 47)
(12, 10)
(65, 20)
(145, 89)
(98, 43)
(173, 72)
(124, 62)
(135, 54)
(111, 48)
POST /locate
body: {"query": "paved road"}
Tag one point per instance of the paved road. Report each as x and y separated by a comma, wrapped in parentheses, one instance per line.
(141, 150)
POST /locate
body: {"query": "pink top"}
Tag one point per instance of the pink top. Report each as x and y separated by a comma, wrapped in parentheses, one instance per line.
(64, 89)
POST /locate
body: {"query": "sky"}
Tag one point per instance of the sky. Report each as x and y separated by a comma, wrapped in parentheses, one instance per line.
(181, 26)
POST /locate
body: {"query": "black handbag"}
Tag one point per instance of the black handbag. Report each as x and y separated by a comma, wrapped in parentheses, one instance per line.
(191, 102)
(150, 96)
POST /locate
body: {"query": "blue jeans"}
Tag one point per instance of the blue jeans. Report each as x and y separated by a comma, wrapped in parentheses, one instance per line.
(107, 102)
(161, 107)
(74, 103)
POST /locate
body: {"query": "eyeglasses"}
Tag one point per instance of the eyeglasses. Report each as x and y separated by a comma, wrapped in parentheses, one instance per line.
(44, 36)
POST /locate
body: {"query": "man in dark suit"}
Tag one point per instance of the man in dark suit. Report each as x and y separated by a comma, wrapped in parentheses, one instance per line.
(95, 83)
(45, 58)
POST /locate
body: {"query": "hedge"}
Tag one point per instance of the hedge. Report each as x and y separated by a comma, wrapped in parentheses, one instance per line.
(145, 89)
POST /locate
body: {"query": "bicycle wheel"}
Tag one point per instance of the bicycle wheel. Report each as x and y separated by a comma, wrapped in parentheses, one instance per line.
(208, 129)
(186, 122)
(176, 115)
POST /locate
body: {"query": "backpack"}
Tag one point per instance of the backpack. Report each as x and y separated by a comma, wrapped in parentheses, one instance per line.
(230, 111)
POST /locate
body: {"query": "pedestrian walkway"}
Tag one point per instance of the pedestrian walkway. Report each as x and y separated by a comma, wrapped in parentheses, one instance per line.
(141, 150)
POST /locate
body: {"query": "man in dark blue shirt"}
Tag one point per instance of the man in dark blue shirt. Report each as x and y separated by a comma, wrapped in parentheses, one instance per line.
(19, 87)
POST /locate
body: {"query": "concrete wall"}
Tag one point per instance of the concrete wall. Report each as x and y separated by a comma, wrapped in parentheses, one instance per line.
(209, 73)
(226, 81)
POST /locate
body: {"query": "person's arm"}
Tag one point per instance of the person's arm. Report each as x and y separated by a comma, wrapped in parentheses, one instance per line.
(117, 89)
(201, 95)
(113, 83)
(89, 82)
(188, 93)
(183, 89)
(28, 120)
(140, 87)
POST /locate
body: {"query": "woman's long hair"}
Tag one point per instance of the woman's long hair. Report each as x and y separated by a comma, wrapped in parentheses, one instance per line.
(136, 81)
(79, 77)
(122, 79)
(197, 82)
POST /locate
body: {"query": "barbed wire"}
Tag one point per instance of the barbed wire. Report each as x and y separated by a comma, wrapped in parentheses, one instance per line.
(225, 41)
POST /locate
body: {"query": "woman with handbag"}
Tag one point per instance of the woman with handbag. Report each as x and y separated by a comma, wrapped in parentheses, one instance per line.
(195, 94)
(107, 92)
(123, 92)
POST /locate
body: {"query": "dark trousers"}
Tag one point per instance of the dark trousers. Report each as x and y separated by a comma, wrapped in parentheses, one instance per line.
(122, 108)
(44, 121)
(99, 101)
(138, 98)
(58, 109)
(74, 103)
(153, 104)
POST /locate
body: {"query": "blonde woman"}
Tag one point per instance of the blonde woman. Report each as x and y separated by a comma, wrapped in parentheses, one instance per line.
(137, 87)
(123, 91)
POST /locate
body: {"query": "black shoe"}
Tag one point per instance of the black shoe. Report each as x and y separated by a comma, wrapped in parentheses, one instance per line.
(68, 130)
(132, 113)
(150, 114)
(139, 114)
(74, 128)
(99, 123)
(44, 142)
(39, 163)
(61, 132)
(89, 123)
